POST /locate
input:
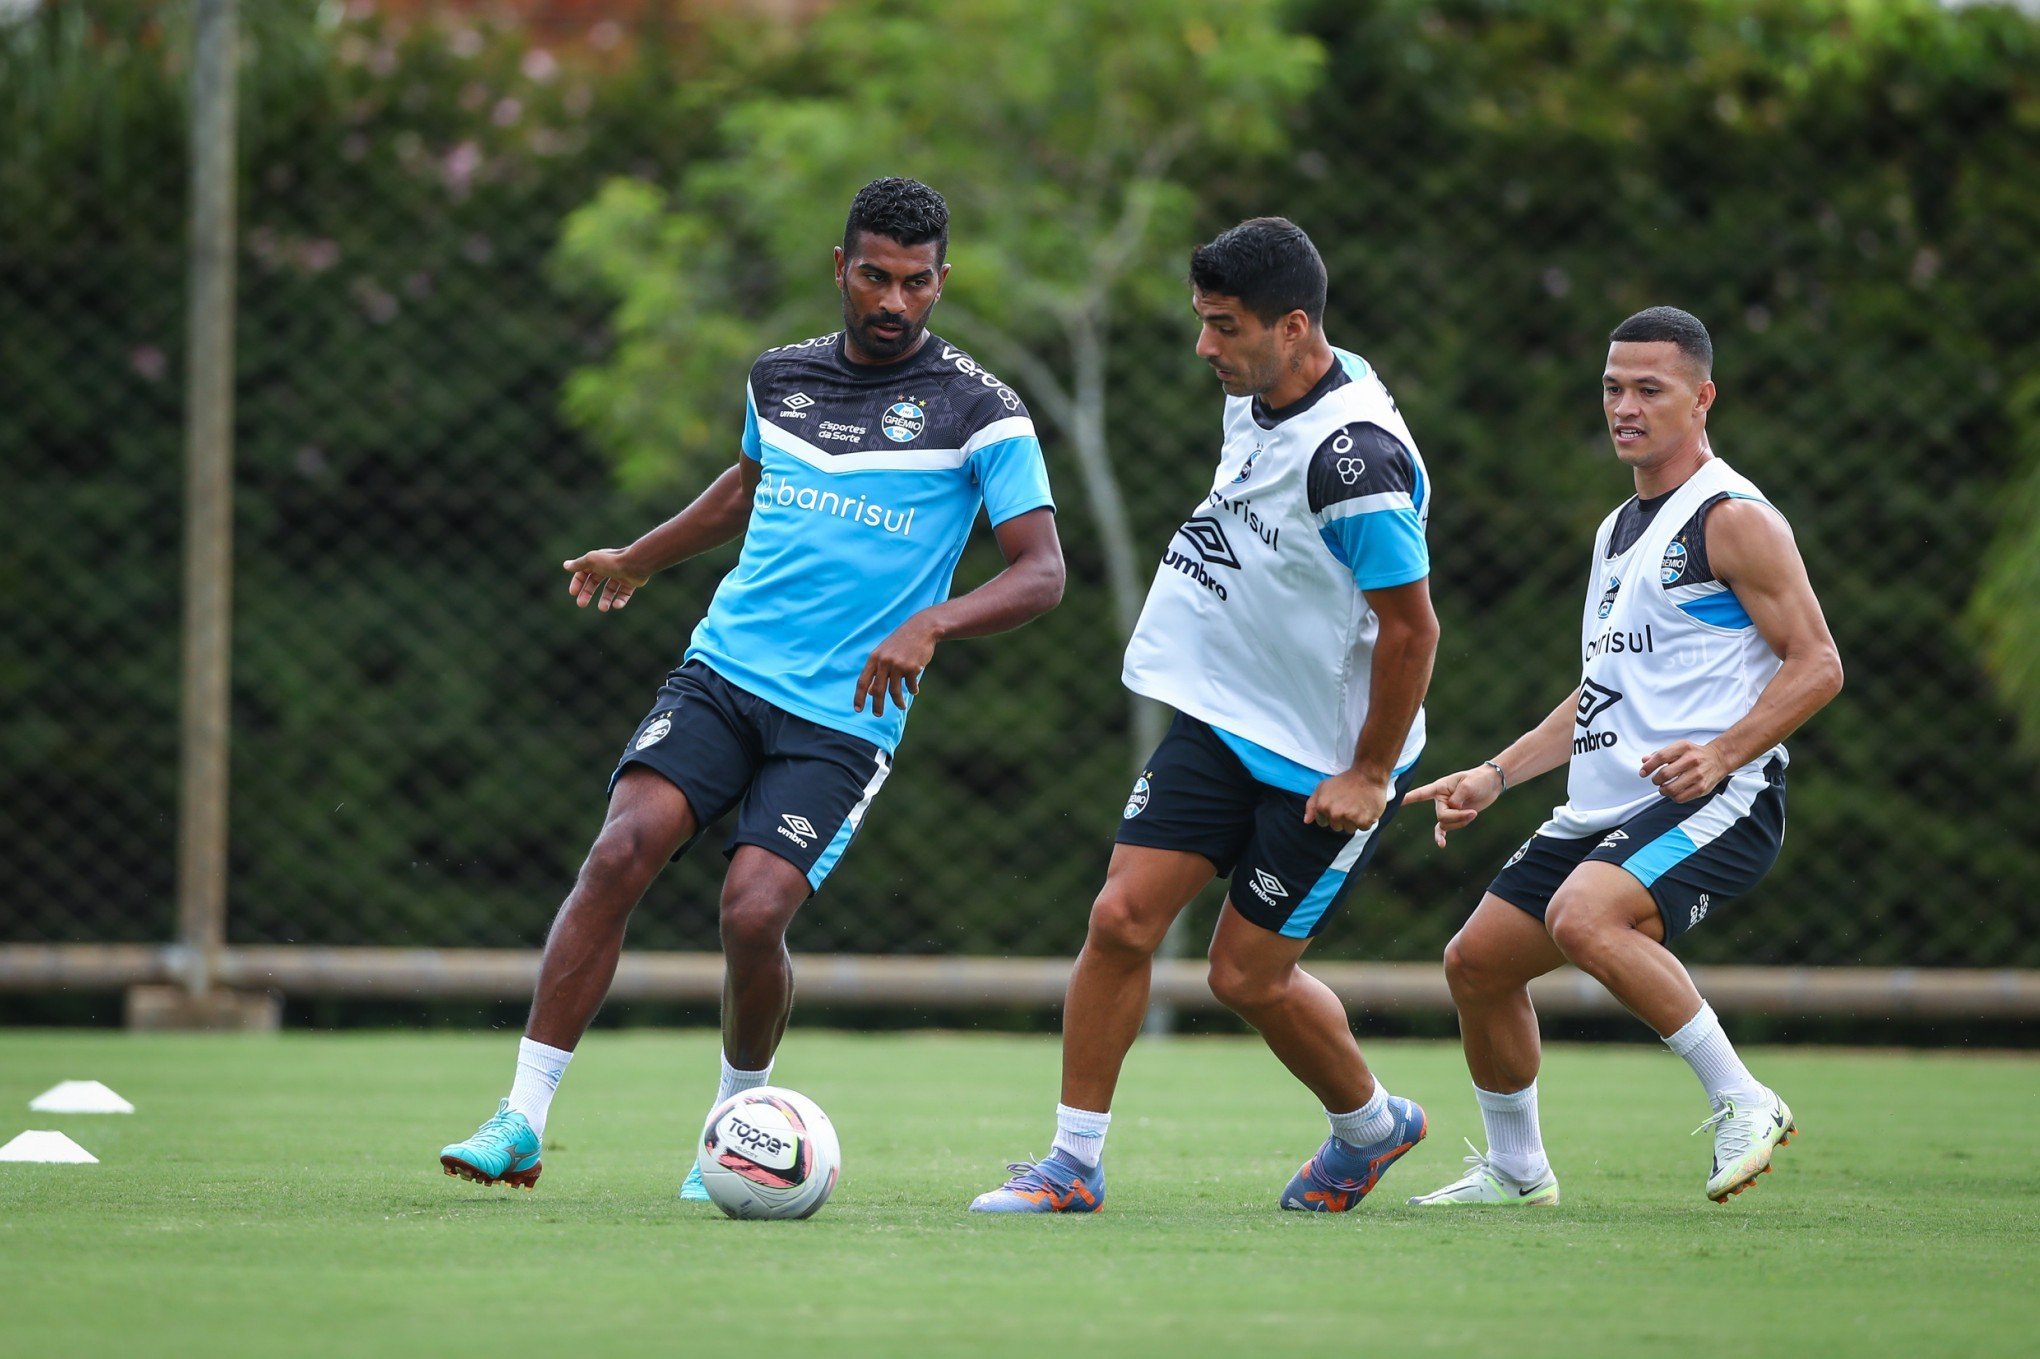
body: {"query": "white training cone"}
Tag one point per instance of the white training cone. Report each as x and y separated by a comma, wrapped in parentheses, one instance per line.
(80, 1097)
(47, 1147)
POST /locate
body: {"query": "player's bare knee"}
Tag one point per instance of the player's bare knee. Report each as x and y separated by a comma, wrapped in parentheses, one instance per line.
(625, 856)
(753, 925)
(1243, 990)
(1582, 933)
(1472, 976)
(1118, 925)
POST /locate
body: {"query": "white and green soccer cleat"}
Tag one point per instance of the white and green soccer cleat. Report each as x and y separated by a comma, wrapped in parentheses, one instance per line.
(1484, 1184)
(1745, 1135)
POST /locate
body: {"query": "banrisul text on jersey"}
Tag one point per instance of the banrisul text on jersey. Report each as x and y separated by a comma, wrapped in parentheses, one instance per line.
(869, 479)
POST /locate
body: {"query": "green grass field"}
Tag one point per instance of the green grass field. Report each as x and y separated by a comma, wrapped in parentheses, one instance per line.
(281, 1195)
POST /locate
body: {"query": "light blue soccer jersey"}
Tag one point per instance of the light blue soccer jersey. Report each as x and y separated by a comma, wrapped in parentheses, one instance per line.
(870, 478)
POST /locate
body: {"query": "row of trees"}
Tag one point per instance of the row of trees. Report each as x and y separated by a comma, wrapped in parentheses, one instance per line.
(498, 300)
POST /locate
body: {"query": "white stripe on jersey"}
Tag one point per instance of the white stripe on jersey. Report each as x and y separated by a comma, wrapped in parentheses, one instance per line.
(1368, 504)
(879, 460)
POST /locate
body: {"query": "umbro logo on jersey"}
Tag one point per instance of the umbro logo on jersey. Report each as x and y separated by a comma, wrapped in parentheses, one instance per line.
(1595, 699)
(798, 829)
(1210, 541)
(1207, 540)
(795, 406)
(1268, 887)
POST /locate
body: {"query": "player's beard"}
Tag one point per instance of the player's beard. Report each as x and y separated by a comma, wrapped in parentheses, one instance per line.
(877, 346)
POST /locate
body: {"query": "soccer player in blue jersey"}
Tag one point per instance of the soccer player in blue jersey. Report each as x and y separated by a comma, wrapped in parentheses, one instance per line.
(865, 458)
(1290, 627)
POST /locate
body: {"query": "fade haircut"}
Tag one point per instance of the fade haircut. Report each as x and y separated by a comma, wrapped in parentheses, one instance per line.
(902, 210)
(1669, 325)
(1268, 264)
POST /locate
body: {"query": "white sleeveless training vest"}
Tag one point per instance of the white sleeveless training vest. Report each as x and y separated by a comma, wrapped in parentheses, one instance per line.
(1663, 662)
(1252, 624)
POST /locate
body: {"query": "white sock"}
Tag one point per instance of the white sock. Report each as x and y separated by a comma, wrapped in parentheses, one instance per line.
(734, 1080)
(1515, 1143)
(1080, 1134)
(1707, 1050)
(539, 1069)
(1370, 1122)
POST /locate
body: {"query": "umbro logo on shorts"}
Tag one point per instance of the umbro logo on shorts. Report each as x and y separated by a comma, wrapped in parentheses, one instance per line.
(1613, 838)
(1268, 887)
(798, 829)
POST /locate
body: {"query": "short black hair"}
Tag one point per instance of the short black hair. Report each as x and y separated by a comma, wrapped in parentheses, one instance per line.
(903, 210)
(1268, 264)
(1669, 325)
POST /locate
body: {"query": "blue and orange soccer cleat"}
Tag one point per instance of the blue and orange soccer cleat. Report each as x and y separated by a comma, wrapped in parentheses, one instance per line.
(503, 1150)
(1341, 1174)
(1057, 1184)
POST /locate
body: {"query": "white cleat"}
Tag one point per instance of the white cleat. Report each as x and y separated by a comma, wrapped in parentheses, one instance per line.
(1484, 1184)
(1745, 1135)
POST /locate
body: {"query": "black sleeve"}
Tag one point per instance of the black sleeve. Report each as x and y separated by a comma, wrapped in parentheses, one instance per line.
(1359, 459)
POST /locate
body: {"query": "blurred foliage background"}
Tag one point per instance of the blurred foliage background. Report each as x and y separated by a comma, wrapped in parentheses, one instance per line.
(503, 267)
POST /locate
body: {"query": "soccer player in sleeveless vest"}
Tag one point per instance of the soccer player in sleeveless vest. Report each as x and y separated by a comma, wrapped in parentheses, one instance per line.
(1290, 628)
(865, 458)
(1702, 648)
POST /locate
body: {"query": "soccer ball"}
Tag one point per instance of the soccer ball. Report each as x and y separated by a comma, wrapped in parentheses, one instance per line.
(769, 1153)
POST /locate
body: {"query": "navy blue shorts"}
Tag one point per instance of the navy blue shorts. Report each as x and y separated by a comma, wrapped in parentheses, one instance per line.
(1692, 856)
(800, 789)
(1196, 796)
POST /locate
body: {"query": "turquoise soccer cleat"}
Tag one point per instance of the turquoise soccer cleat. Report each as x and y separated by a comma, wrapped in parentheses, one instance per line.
(504, 1150)
(1341, 1174)
(1056, 1184)
(691, 1188)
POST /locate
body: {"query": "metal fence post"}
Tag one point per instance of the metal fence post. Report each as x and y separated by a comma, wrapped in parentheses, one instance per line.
(209, 503)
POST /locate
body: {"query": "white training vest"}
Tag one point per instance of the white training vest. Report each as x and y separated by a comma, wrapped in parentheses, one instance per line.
(1252, 625)
(1654, 672)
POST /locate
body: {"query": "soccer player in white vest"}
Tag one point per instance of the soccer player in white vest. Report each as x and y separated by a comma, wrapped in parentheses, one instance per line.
(1290, 627)
(1703, 648)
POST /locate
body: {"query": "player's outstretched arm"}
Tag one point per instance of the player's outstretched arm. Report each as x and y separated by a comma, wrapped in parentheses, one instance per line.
(1030, 586)
(1459, 798)
(1751, 549)
(609, 576)
(1405, 648)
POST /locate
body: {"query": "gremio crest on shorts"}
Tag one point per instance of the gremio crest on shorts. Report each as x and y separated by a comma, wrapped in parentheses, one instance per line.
(655, 733)
(1137, 800)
